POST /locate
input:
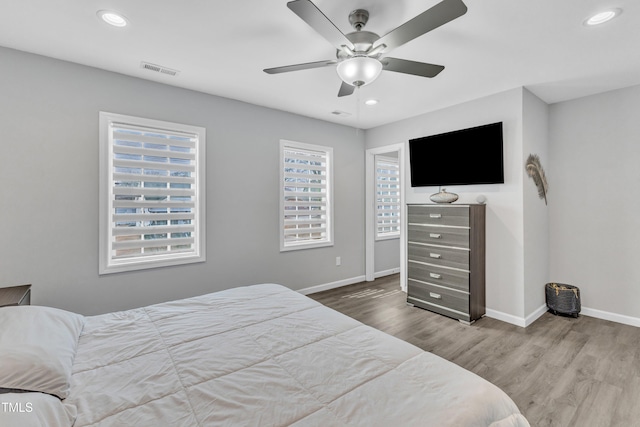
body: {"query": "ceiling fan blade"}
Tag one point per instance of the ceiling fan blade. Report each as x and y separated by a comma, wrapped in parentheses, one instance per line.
(346, 89)
(298, 67)
(438, 15)
(411, 67)
(309, 13)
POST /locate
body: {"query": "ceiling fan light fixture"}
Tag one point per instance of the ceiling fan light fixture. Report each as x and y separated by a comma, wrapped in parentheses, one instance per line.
(602, 17)
(359, 70)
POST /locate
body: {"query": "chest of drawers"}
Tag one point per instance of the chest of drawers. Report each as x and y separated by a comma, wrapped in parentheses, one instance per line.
(446, 259)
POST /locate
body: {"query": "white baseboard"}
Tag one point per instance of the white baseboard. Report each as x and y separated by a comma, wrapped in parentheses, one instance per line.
(389, 272)
(332, 285)
(515, 320)
(586, 311)
(505, 317)
(345, 282)
(614, 317)
(535, 315)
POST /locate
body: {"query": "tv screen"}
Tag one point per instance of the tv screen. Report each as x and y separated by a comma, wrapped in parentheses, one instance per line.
(462, 157)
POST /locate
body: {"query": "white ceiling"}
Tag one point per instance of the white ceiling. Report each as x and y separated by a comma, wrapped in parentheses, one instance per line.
(221, 48)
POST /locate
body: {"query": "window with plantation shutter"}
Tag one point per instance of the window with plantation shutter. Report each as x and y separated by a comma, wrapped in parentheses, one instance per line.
(306, 210)
(387, 197)
(151, 193)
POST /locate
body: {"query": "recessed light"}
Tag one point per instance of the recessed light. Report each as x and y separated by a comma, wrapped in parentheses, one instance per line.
(113, 18)
(602, 17)
(371, 102)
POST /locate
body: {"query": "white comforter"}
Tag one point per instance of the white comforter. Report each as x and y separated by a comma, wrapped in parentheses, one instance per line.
(264, 355)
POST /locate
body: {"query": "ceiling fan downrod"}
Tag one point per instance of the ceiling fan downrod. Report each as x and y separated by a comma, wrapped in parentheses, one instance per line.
(358, 19)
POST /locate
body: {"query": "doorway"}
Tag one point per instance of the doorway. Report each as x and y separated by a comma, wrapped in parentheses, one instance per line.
(380, 242)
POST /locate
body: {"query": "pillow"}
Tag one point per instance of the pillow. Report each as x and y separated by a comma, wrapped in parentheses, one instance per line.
(35, 410)
(37, 348)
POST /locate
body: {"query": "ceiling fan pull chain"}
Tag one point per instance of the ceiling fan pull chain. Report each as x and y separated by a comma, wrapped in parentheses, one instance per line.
(358, 106)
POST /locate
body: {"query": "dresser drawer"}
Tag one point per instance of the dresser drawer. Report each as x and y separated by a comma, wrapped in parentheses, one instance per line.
(447, 236)
(448, 257)
(439, 215)
(444, 301)
(454, 279)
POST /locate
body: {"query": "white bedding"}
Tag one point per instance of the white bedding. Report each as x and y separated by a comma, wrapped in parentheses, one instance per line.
(264, 355)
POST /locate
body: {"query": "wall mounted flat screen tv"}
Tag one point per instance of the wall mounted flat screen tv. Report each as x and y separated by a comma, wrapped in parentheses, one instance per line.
(462, 157)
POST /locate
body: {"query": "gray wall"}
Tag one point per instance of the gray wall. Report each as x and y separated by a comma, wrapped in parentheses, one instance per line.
(505, 287)
(594, 180)
(49, 218)
(49, 175)
(535, 140)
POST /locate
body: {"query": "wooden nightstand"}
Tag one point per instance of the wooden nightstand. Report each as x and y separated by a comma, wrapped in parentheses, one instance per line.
(15, 295)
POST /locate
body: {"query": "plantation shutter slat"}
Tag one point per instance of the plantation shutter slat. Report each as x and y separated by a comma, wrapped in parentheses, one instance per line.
(133, 178)
(153, 165)
(150, 243)
(298, 222)
(294, 177)
(306, 156)
(387, 197)
(304, 230)
(146, 191)
(180, 216)
(160, 250)
(160, 229)
(141, 134)
(135, 151)
(152, 204)
(305, 201)
(298, 204)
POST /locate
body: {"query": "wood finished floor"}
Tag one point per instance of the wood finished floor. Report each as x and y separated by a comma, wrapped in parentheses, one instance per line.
(560, 371)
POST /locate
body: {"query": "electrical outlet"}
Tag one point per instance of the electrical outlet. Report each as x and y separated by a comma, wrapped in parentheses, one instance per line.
(338, 261)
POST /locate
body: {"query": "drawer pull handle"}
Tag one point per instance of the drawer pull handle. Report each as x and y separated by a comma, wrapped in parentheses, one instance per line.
(435, 215)
(435, 276)
(435, 235)
(436, 256)
(436, 296)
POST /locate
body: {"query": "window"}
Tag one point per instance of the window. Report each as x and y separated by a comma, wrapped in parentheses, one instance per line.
(152, 206)
(305, 196)
(387, 197)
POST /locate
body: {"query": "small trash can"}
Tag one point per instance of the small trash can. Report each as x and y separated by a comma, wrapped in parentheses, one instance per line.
(563, 299)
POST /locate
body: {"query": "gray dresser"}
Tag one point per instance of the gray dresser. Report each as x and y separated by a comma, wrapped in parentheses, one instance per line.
(446, 259)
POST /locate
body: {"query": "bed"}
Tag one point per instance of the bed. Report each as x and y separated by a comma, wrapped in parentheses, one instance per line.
(259, 355)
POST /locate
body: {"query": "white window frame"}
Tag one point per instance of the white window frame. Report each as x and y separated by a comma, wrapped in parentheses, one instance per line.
(390, 164)
(327, 189)
(108, 261)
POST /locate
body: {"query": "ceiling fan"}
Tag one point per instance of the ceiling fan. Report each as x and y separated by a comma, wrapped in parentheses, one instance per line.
(360, 54)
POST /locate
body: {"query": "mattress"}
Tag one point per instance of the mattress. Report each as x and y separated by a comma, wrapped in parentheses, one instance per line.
(264, 355)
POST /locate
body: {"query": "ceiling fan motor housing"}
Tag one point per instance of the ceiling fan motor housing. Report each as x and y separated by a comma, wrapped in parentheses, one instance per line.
(362, 40)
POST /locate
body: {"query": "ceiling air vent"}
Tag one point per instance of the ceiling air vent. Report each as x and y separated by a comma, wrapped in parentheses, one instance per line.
(340, 113)
(158, 69)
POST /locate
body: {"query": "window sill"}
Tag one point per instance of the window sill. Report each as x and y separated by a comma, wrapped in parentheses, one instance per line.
(147, 264)
(395, 236)
(305, 246)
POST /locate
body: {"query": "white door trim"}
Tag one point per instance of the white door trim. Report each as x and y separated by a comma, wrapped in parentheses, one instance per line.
(370, 211)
